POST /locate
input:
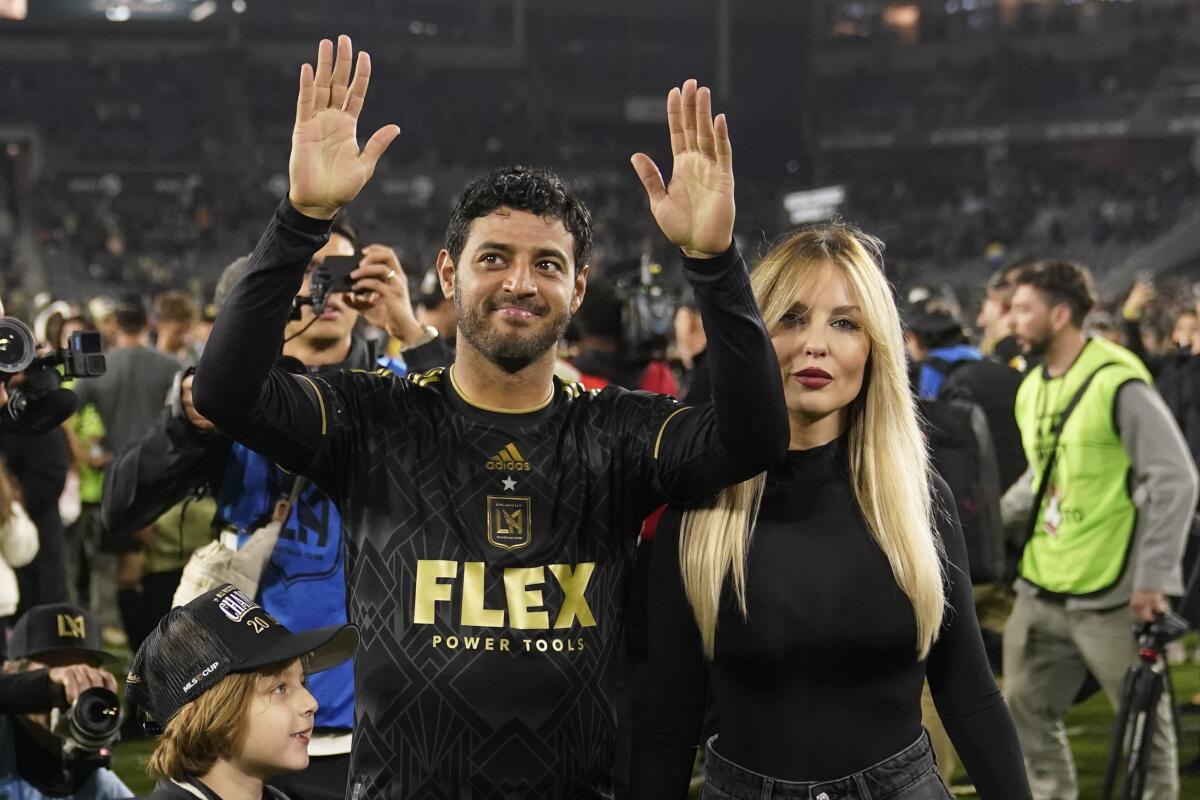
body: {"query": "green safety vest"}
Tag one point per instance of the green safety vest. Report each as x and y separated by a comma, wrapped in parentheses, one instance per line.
(1085, 524)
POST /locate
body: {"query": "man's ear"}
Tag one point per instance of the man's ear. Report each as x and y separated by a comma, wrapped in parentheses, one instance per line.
(580, 288)
(446, 273)
(1060, 316)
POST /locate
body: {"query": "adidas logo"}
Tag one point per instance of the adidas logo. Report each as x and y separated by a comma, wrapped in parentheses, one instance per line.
(509, 459)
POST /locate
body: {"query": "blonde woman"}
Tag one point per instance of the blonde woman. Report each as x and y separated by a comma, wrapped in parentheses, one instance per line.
(822, 593)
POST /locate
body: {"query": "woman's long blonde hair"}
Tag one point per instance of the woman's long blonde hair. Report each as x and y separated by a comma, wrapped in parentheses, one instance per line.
(889, 463)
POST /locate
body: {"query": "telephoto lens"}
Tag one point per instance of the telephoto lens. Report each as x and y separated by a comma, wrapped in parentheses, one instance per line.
(91, 725)
(17, 349)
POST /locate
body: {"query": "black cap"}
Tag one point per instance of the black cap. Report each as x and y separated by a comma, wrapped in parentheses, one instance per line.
(932, 319)
(56, 629)
(429, 290)
(221, 632)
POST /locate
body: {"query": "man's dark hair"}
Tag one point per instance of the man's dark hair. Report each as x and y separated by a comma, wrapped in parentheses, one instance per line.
(130, 315)
(538, 191)
(1062, 282)
(342, 225)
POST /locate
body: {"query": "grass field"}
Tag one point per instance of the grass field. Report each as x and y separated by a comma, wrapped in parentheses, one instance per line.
(1090, 726)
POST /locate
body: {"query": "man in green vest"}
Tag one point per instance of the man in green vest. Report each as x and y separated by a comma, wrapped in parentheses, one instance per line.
(1105, 543)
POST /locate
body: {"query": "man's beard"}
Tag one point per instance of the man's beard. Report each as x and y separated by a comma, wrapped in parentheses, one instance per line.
(1037, 347)
(510, 353)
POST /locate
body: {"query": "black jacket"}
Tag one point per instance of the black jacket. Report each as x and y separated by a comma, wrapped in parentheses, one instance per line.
(993, 387)
(193, 789)
(176, 460)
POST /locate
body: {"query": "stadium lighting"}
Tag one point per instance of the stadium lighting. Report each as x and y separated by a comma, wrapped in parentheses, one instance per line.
(203, 11)
(814, 204)
(119, 13)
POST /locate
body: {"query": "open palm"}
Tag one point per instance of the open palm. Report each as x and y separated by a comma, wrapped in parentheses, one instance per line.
(326, 168)
(696, 210)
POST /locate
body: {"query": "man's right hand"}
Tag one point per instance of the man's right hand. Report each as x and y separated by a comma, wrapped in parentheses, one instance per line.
(78, 678)
(326, 169)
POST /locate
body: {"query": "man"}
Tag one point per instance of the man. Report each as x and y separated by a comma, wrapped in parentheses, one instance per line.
(303, 585)
(490, 511)
(1103, 547)
(128, 397)
(174, 320)
(993, 319)
(54, 656)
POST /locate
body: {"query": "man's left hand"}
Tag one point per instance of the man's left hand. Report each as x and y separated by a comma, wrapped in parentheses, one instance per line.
(1148, 605)
(381, 294)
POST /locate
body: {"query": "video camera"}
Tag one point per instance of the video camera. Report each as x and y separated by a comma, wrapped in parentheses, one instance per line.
(39, 403)
(88, 729)
(647, 311)
(83, 356)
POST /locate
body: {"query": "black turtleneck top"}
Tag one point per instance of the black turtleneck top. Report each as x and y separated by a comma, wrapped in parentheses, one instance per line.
(822, 680)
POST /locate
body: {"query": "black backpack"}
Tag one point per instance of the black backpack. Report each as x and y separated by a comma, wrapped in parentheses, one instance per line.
(961, 450)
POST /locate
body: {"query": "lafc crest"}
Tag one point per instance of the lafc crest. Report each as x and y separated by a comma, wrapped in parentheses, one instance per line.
(510, 522)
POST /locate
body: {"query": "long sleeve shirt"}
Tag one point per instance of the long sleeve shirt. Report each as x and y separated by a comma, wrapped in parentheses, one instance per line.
(487, 553)
(821, 679)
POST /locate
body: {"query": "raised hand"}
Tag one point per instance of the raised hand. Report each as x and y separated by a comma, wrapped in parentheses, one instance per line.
(696, 210)
(326, 168)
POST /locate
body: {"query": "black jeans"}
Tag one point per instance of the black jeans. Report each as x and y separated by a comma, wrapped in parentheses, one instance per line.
(911, 774)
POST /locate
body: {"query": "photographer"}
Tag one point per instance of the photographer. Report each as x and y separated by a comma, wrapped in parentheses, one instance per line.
(33, 445)
(54, 658)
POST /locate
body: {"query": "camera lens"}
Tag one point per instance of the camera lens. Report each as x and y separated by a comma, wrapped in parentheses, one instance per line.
(96, 714)
(16, 345)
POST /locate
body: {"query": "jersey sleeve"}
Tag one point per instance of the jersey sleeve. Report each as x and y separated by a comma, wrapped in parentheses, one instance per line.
(360, 423)
(689, 452)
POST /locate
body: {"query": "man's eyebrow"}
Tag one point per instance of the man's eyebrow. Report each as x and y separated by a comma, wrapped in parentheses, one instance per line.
(503, 248)
(554, 252)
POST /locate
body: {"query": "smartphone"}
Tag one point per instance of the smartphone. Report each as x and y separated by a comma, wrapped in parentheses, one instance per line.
(338, 268)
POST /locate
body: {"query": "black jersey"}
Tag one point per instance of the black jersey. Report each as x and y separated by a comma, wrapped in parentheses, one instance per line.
(487, 552)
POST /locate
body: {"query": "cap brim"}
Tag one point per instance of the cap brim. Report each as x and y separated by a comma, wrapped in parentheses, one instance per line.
(104, 658)
(320, 649)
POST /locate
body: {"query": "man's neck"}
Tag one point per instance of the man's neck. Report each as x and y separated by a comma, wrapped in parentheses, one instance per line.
(1063, 351)
(320, 352)
(128, 341)
(484, 384)
(232, 783)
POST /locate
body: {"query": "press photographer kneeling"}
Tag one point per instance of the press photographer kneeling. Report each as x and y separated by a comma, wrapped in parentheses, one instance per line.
(59, 714)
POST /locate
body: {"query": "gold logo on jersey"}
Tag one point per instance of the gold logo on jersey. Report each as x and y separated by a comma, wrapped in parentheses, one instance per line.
(510, 522)
(509, 460)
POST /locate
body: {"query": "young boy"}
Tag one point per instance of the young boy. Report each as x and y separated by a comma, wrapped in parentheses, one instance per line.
(224, 684)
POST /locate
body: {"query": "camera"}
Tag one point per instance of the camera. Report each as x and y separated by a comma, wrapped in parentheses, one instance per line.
(88, 729)
(39, 403)
(1157, 634)
(83, 356)
(647, 311)
(329, 277)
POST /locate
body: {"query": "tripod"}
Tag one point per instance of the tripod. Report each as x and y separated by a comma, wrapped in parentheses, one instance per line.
(1129, 756)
